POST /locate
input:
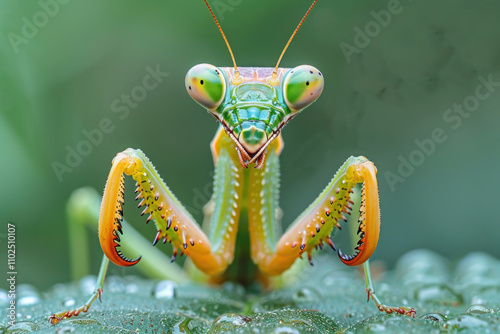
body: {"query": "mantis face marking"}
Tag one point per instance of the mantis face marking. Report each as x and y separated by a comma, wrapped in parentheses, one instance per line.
(254, 111)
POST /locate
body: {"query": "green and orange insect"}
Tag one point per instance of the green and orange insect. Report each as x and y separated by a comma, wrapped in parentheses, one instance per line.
(252, 105)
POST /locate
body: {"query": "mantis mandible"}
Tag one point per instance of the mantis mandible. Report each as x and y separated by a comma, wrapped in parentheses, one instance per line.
(252, 106)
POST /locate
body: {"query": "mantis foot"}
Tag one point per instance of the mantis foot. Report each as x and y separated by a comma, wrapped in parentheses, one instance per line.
(409, 311)
(56, 317)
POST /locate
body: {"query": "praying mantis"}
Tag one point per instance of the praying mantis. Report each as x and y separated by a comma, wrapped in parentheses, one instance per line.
(252, 106)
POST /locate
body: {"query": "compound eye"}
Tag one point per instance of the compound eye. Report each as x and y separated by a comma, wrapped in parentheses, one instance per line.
(302, 85)
(206, 85)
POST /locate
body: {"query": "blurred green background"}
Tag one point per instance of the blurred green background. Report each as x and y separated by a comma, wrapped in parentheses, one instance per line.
(60, 78)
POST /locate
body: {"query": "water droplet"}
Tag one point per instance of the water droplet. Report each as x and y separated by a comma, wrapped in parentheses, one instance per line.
(87, 284)
(27, 300)
(422, 267)
(227, 322)
(4, 298)
(438, 317)
(22, 327)
(165, 289)
(115, 284)
(132, 288)
(478, 270)
(27, 295)
(478, 309)
(69, 302)
(305, 294)
(429, 293)
(439, 293)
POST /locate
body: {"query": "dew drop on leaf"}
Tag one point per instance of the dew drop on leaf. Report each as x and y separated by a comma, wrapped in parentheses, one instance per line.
(438, 317)
(478, 309)
(305, 294)
(165, 289)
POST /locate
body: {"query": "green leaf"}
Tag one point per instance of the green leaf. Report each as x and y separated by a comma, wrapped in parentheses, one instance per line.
(326, 298)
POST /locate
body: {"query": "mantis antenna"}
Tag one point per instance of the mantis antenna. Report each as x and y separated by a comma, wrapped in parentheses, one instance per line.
(273, 80)
(236, 80)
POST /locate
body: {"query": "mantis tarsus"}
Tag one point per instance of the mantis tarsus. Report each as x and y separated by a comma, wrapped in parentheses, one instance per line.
(252, 105)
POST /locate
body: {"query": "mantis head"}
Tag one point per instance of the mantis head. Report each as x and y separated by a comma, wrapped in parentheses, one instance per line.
(254, 105)
(254, 110)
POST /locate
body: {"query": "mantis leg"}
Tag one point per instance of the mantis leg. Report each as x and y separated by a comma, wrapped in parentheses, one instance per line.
(55, 318)
(315, 225)
(211, 254)
(174, 224)
(82, 212)
(371, 294)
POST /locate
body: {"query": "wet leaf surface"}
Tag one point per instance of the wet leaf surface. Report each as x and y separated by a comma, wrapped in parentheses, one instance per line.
(326, 298)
